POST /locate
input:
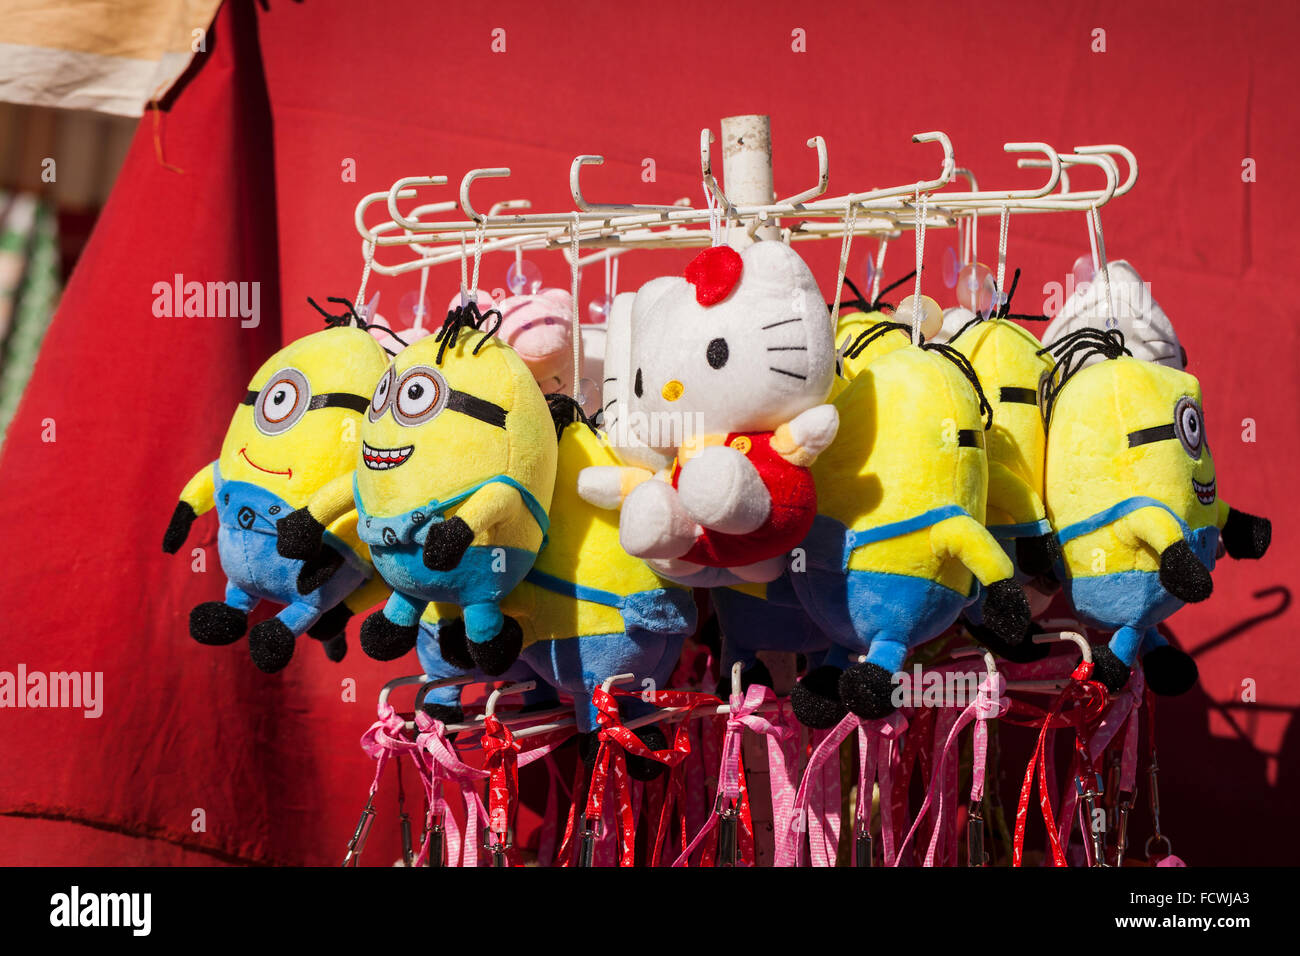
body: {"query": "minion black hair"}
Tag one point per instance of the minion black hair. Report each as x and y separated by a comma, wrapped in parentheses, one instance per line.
(1003, 311)
(1071, 352)
(947, 351)
(875, 305)
(565, 410)
(350, 317)
(463, 317)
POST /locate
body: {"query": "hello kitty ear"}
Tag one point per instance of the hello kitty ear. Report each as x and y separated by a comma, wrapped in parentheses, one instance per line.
(773, 263)
(714, 273)
(652, 293)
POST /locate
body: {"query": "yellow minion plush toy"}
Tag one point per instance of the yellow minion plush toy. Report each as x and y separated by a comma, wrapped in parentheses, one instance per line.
(858, 347)
(1132, 493)
(900, 529)
(1009, 362)
(587, 609)
(457, 467)
(295, 432)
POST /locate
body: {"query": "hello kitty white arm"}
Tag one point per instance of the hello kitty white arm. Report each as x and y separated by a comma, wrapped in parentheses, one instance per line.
(721, 489)
(807, 435)
(606, 486)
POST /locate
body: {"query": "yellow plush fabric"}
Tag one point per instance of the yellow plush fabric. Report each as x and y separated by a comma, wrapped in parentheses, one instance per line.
(323, 447)
(1090, 466)
(1004, 354)
(454, 451)
(582, 548)
(854, 324)
(897, 456)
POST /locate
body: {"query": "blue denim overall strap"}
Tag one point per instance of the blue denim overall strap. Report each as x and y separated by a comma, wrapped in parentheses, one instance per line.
(406, 527)
(856, 539)
(660, 611)
(1025, 529)
(1112, 514)
(581, 592)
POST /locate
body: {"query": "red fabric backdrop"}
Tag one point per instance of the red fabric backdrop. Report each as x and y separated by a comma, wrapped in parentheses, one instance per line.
(261, 131)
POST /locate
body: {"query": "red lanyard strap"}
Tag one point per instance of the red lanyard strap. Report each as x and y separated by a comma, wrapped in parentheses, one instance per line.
(616, 742)
(1089, 698)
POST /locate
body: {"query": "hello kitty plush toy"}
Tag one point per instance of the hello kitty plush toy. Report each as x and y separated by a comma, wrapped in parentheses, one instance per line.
(731, 366)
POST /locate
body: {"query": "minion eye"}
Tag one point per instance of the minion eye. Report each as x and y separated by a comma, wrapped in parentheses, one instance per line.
(282, 402)
(420, 395)
(1189, 425)
(383, 393)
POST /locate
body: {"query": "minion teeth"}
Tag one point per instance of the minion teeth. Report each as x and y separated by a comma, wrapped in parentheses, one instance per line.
(1205, 494)
(379, 459)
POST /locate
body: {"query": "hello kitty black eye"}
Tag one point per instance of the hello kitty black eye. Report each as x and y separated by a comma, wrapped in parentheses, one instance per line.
(636, 386)
(718, 353)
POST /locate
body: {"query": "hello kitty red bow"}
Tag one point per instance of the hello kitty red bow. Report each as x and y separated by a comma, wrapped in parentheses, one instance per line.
(714, 273)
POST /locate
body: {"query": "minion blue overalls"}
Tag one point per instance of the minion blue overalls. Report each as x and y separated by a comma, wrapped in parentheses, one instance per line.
(877, 613)
(484, 576)
(655, 624)
(1133, 602)
(775, 622)
(255, 571)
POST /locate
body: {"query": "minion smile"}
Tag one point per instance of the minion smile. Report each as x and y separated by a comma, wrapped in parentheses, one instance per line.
(1205, 494)
(269, 471)
(380, 459)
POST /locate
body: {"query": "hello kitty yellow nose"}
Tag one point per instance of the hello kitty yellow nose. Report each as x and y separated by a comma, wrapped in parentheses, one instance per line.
(672, 391)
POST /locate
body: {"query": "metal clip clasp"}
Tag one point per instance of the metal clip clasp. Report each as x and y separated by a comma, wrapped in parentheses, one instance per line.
(358, 841)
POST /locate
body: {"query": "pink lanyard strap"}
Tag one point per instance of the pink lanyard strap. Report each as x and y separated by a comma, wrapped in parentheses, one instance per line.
(446, 768)
(780, 760)
(875, 739)
(989, 703)
(550, 832)
(387, 738)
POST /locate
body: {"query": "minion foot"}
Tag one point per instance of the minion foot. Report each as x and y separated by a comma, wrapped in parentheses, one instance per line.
(868, 690)
(1109, 669)
(816, 699)
(446, 713)
(270, 644)
(1169, 671)
(1006, 611)
(330, 624)
(642, 768)
(453, 646)
(215, 623)
(1023, 653)
(336, 648)
(495, 656)
(383, 640)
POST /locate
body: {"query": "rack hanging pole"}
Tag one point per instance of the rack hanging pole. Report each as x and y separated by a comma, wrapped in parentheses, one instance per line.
(747, 171)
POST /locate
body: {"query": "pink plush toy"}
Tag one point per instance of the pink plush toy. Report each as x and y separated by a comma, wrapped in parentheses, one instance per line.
(539, 327)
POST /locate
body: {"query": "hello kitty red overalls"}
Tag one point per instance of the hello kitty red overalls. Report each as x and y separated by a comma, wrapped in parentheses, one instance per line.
(794, 506)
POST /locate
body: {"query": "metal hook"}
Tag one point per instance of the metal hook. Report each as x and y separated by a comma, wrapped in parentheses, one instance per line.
(1052, 161)
(522, 687)
(401, 188)
(499, 172)
(1060, 637)
(575, 189)
(505, 206)
(1114, 149)
(823, 174)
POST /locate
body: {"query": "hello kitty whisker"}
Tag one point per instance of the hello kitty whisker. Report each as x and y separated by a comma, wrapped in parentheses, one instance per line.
(772, 368)
(784, 322)
(787, 348)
